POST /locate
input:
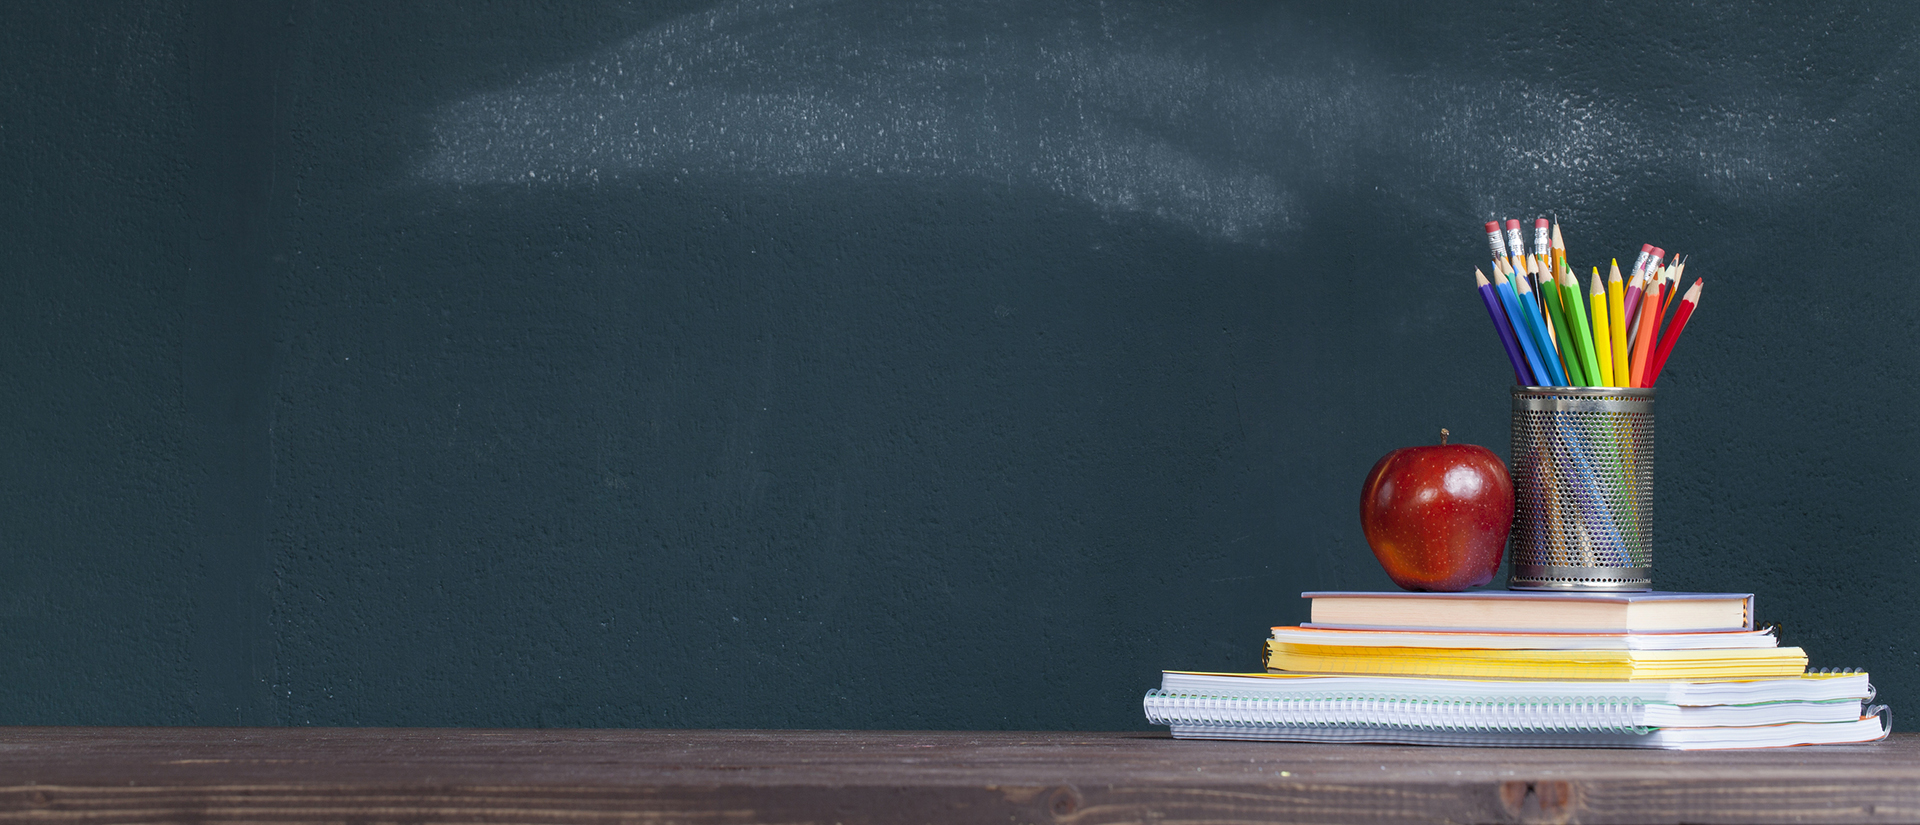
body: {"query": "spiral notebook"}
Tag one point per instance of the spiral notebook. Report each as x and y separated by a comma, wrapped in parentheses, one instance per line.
(1516, 713)
(1866, 729)
(1812, 686)
(1813, 708)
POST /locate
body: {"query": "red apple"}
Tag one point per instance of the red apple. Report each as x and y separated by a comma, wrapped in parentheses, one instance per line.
(1437, 517)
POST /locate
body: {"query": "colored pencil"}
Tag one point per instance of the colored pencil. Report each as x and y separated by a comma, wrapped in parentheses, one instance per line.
(1563, 337)
(1523, 331)
(1582, 332)
(1525, 305)
(1687, 306)
(1673, 289)
(1559, 248)
(1643, 339)
(1546, 299)
(1667, 282)
(1617, 325)
(1530, 308)
(1521, 374)
(1651, 277)
(1602, 330)
(1636, 287)
(1637, 282)
(1667, 291)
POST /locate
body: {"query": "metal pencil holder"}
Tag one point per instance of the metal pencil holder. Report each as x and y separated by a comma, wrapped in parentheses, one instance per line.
(1582, 489)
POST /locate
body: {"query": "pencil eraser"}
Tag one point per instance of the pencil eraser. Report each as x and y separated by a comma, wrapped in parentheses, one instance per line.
(1646, 248)
(1513, 224)
(1539, 221)
(1659, 253)
(1493, 226)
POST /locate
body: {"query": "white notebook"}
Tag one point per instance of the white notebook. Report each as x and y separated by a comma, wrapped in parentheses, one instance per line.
(1810, 687)
(1513, 714)
(1816, 708)
(1865, 729)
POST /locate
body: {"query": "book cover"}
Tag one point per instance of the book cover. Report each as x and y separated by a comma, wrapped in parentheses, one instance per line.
(1525, 641)
(1628, 665)
(1535, 611)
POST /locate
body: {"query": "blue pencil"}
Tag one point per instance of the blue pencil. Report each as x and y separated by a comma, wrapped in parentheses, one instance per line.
(1521, 373)
(1542, 342)
(1511, 301)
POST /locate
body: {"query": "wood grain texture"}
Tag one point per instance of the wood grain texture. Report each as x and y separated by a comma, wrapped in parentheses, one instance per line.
(297, 775)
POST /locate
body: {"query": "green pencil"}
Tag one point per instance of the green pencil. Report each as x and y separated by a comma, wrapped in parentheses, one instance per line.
(1582, 332)
(1569, 349)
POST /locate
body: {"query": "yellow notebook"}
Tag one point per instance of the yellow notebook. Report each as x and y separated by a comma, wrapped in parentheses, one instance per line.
(1472, 663)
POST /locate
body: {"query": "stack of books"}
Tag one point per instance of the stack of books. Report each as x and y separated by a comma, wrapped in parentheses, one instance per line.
(1682, 671)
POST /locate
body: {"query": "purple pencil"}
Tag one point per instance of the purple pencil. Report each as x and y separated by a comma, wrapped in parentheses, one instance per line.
(1499, 316)
(1636, 285)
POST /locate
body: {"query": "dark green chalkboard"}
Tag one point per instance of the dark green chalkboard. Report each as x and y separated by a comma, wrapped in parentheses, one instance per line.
(866, 364)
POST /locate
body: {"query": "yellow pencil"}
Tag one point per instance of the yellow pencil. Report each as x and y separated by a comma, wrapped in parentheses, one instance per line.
(1602, 343)
(1617, 325)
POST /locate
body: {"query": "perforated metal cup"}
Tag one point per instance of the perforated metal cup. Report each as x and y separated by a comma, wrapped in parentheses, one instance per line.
(1582, 489)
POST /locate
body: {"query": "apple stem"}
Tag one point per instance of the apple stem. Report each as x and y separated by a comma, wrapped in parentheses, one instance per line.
(1443, 436)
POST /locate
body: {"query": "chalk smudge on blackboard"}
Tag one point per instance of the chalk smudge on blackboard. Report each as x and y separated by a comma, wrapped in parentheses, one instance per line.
(1123, 107)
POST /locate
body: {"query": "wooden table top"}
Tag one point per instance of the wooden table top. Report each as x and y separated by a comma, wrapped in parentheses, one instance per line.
(98, 775)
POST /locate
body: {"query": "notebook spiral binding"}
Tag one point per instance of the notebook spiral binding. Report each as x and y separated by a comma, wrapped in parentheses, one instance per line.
(1872, 692)
(1598, 714)
(1886, 716)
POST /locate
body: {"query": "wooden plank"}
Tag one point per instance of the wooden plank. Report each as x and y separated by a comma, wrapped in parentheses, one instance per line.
(293, 775)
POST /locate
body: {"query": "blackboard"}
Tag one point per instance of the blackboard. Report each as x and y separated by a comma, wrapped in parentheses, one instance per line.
(881, 365)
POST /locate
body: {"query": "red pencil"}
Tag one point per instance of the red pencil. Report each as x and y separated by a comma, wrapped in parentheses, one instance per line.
(1679, 324)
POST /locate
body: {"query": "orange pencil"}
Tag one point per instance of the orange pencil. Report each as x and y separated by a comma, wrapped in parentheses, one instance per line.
(1643, 338)
(1680, 316)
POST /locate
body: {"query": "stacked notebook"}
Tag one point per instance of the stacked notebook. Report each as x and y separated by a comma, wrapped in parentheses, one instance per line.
(1508, 668)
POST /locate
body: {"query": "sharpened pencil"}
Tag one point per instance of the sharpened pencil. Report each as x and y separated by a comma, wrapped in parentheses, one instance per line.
(1559, 248)
(1617, 325)
(1687, 306)
(1544, 297)
(1530, 307)
(1563, 339)
(1523, 329)
(1643, 339)
(1673, 291)
(1602, 329)
(1651, 277)
(1636, 287)
(1581, 331)
(1521, 374)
